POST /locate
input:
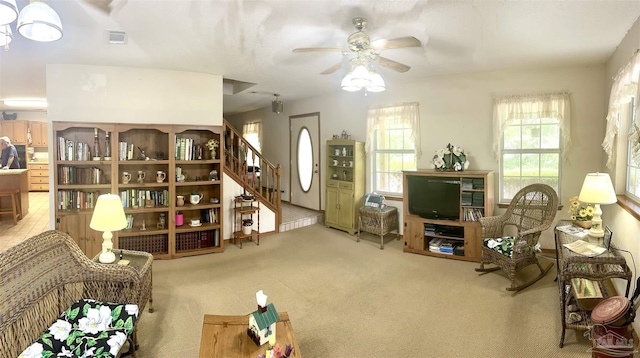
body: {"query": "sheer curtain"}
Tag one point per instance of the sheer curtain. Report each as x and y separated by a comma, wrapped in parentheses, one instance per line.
(625, 87)
(390, 117)
(550, 105)
(252, 132)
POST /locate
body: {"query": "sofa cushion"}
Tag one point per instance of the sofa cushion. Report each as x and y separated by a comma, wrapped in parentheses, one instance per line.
(503, 245)
(88, 328)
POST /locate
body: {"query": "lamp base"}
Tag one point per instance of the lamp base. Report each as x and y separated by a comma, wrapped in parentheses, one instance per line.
(107, 257)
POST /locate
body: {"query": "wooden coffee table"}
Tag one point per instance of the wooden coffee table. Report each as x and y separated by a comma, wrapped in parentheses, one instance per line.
(226, 336)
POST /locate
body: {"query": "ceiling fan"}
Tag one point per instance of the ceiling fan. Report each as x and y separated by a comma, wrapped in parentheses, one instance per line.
(365, 50)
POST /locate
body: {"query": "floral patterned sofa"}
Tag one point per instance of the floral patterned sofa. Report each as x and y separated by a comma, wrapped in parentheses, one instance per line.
(55, 299)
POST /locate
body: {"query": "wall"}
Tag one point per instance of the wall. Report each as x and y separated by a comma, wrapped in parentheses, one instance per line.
(458, 110)
(624, 226)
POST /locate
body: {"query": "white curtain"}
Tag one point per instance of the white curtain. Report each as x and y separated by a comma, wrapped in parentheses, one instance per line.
(404, 115)
(550, 105)
(625, 87)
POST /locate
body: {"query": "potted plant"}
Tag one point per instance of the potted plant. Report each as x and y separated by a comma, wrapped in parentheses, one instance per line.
(246, 226)
(581, 214)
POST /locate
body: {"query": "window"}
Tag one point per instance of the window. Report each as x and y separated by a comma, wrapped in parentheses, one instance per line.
(393, 145)
(633, 162)
(531, 141)
(252, 132)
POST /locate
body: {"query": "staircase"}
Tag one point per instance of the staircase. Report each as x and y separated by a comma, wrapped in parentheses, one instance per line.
(265, 183)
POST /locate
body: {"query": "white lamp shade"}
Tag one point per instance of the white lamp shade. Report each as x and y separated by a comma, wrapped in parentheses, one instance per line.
(8, 11)
(348, 85)
(360, 76)
(597, 189)
(377, 83)
(5, 35)
(39, 22)
(108, 215)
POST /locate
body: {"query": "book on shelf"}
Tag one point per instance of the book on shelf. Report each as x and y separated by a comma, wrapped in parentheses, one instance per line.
(585, 288)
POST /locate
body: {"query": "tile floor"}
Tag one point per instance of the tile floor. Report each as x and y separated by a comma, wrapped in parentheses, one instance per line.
(37, 220)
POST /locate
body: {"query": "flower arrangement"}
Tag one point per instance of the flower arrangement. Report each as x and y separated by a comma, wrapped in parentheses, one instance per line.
(247, 222)
(212, 144)
(579, 211)
(277, 352)
(450, 158)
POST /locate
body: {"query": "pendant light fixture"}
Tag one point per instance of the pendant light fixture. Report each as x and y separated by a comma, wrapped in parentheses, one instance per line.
(277, 106)
(39, 22)
(8, 11)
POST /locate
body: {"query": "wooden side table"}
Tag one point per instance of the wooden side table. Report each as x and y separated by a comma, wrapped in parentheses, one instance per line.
(378, 222)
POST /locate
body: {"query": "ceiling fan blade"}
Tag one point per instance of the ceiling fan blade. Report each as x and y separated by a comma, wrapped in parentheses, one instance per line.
(332, 69)
(318, 49)
(401, 42)
(396, 66)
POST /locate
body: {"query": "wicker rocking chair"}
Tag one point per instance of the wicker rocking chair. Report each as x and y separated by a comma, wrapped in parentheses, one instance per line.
(532, 210)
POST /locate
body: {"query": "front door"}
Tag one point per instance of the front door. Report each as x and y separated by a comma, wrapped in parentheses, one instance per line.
(304, 177)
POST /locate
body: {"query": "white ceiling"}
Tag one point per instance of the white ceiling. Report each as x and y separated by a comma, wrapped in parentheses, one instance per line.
(252, 41)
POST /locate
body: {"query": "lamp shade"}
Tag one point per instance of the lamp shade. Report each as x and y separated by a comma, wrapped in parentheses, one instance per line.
(8, 11)
(377, 83)
(39, 22)
(597, 189)
(348, 85)
(108, 215)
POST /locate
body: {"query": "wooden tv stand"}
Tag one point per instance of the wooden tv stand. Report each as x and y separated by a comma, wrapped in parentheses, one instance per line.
(418, 231)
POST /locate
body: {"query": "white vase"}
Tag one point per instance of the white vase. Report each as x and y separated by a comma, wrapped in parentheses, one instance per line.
(246, 230)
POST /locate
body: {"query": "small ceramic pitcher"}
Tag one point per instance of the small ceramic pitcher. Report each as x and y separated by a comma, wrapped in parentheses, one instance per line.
(180, 200)
(126, 177)
(160, 176)
(195, 198)
(141, 176)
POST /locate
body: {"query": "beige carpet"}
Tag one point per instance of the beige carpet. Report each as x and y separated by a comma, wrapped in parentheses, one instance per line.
(348, 299)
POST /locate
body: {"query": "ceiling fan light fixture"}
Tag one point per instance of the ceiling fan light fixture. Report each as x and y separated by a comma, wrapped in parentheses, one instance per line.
(8, 11)
(377, 83)
(347, 84)
(39, 22)
(360, 76)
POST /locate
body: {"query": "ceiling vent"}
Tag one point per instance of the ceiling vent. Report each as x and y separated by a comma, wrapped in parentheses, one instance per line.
(116, 37)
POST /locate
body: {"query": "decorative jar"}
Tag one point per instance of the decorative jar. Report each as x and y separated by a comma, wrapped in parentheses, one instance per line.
(585, 224)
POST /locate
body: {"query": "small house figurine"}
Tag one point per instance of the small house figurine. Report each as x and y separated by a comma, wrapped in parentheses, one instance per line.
(262, 322)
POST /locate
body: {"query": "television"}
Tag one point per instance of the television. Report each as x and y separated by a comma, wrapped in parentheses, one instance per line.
(434, 197)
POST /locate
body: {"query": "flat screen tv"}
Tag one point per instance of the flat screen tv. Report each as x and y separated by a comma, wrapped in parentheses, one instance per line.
(434, 197)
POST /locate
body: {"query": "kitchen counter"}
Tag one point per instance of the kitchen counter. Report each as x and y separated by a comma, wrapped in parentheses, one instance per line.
(16, 179)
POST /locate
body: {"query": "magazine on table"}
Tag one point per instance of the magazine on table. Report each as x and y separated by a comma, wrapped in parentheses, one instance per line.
(585, 248)
(574, 231)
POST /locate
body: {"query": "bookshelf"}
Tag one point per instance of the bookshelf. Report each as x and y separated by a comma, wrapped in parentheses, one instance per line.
(142, 169)
(460, 239)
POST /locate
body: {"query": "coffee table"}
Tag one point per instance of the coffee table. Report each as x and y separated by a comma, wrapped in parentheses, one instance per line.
(226, 336)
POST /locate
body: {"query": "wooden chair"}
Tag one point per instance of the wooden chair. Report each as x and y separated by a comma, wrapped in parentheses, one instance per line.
(15, 210)
(532, 210)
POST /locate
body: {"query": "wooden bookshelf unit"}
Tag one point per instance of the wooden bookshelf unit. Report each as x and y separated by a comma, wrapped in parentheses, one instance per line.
(476, 200)
(151, 155)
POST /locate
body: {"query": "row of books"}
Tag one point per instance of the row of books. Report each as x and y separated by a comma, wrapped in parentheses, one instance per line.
(187, 149)
(447, 247)
(472, 183)
(155, 244)
(74, 175)
(197, 240)
(209, 215)
(138, 198)
(125, 151)
(72, 150)
(76, 199)
(473, 214)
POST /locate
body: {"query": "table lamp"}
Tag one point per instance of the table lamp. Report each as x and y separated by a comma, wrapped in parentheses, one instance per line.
(108, 216)
(597, 189)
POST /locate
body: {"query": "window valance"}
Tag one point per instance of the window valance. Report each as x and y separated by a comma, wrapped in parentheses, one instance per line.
(381, 117)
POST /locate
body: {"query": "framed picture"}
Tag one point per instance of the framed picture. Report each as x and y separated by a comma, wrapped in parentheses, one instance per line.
(606, 240)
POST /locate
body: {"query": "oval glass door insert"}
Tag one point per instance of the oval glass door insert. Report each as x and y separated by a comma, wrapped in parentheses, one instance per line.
(305, 159)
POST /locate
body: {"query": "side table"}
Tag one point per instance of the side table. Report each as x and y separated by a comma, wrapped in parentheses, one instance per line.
(570, 265)
(141, 262)
(378, 222)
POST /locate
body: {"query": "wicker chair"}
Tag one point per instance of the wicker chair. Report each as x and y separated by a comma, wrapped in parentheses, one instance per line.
(532, 210)
(43, 276)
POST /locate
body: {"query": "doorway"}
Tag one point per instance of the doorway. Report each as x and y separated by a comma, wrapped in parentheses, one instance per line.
(304, 177)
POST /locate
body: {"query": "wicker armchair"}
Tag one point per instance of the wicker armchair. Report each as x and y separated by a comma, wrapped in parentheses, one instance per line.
(43, 276)
(532, 210)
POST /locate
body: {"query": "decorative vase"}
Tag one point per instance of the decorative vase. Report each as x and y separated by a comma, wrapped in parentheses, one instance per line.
(583, 224)
(213, 154)
(246, 229)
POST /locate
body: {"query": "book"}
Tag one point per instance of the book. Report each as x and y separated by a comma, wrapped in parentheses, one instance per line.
(584, 248)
